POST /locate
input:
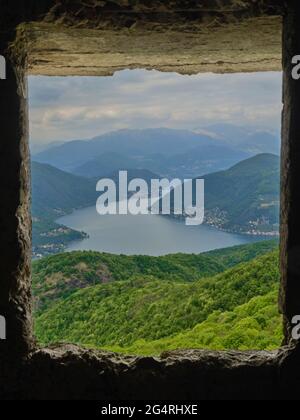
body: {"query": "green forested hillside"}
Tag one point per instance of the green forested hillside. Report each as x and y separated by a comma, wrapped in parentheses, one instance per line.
(245, 198)
(55, 193)
(60, 275)
(256, 325)
(232, 256)
(142, 309)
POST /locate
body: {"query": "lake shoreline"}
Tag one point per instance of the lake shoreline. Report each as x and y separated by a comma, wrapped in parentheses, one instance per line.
(111, 234)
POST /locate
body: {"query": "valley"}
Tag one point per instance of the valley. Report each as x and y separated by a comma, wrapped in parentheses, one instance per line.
(148, 284)
(146, 305)
(241, 200)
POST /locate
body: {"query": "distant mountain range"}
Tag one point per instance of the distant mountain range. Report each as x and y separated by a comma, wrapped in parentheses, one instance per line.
(173, 153)
(246, 139)
(168, 152)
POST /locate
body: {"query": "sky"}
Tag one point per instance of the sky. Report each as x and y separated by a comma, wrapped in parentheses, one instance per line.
(69, 108)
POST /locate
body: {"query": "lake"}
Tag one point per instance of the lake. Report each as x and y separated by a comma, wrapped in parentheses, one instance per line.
(145, 235)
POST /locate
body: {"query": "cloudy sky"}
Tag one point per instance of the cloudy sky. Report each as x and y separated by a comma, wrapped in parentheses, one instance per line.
(83, 107)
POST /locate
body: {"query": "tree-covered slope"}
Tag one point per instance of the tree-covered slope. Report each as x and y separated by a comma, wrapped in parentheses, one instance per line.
(56, 192)
(247, 194)
(256, 325)
(232, 256)
(244, 198)
(121, 313)
(60, 275)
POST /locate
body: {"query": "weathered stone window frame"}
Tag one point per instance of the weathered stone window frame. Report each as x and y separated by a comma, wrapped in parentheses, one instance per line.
(61, 372)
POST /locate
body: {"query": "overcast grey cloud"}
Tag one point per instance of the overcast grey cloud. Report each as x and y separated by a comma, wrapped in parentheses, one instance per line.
(83, 107)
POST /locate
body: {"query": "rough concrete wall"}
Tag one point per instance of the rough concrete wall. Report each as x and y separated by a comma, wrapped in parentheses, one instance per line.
(189, 375)
(99, 38)
(225, 48)
(290, 197)
(129, 13)
(74, 374)
(15, 224)
(126, 13)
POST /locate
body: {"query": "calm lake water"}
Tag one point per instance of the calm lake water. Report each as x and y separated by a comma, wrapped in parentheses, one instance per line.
(145, 235)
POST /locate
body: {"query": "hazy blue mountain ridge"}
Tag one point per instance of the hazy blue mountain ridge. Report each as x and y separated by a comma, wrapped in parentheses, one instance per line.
(158, 150)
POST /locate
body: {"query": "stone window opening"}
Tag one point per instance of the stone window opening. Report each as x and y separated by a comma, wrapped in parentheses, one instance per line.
(74, 373)
(101, 230)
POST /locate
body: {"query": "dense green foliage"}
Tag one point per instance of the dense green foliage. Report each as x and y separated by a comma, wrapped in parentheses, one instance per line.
(45, 229)
(146, 305)
(244, 198)
(60, 275)
(247, 192)
(56, 193)
(232, 256)
(256, 325)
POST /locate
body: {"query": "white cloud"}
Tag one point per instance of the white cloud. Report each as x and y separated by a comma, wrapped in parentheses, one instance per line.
(83, 107)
